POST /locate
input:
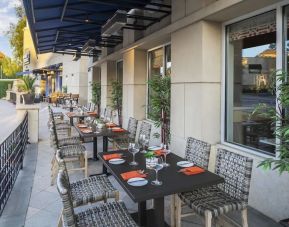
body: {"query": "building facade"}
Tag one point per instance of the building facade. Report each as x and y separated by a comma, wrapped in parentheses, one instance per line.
(219, 55)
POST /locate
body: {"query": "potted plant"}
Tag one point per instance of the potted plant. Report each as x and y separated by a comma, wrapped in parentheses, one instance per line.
(279, 118)
(160, 104)
(64, 89)
(96, 95)
(116, 99)
(28, 86)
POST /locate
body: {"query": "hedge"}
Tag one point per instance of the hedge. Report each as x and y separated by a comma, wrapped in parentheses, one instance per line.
(4, 87)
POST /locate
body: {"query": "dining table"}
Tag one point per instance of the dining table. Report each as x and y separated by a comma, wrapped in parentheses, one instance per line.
(173, 182)
(105, 133)
(78, 115)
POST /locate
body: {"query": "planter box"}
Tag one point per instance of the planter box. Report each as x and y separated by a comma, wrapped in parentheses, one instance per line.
(285, 222)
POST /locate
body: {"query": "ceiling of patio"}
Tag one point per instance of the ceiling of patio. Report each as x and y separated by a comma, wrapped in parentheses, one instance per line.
(65, 26)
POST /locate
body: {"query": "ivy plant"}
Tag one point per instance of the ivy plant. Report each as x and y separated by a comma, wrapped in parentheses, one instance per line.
(116, 99)
(96, 94)
(279, 117)
(160, 104)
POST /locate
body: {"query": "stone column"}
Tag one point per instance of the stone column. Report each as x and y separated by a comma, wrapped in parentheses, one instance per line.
(134, 84)
(196, 84)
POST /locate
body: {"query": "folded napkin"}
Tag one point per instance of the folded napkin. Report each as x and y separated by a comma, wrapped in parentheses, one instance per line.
(118, 130)
(92, 113)
(86, 130)
(70, 113)
(159, 152)
(110, 124)
(111, 156)
(81, 125)
(132, 174)
(192, 170)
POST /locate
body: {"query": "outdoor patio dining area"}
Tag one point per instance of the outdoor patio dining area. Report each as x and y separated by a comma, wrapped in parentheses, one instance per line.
(84, 175)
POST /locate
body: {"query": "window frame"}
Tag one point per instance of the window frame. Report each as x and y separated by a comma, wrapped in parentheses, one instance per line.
(279, 65)
(163, 47)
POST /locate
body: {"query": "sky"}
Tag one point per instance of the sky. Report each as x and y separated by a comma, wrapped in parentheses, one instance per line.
(254, 51)
(7, 16)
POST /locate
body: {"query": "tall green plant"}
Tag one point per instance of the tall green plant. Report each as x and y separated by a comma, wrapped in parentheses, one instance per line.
(116, 99)
(160, 104)
(28, 83)
(279, 118)
(96, 94)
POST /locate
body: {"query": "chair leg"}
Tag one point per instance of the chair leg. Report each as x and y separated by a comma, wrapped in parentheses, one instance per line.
(60, 219)
(117, 196)
(178, 211)
(85, 164)
(173, 211)
(245, 218)
(208, 218)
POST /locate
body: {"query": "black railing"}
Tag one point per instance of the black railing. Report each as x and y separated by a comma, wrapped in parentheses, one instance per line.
(12, 151)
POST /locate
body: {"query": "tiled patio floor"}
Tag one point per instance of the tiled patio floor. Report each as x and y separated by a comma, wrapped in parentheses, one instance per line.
(42, 209)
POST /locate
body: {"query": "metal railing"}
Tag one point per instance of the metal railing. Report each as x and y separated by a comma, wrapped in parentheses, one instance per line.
(12, 151)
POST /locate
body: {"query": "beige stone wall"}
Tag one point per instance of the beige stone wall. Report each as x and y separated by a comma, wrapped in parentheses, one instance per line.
(108, 75)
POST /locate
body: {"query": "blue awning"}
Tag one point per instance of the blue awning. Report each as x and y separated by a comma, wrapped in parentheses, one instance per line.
(64, 26)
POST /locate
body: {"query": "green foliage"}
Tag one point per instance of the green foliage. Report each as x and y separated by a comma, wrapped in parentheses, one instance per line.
(9, 67)
(64, 89)
(116, 99)
(160, 104)
(28, 83)
(280, 120)
(150, 154)
(4, 87)
(15, 34)
(96, 93)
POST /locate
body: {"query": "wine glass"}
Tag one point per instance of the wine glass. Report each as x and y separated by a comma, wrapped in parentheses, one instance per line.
(166, 151)
(133, 148)
(156, 165)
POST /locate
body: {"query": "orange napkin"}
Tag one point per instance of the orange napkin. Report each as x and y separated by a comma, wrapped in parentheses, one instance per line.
(111, 156)
(92, 113)
(110, 124)
(118, 130)
(70, 114)
(132, 174)
(159, 152)
(81, 125)
(192, 170)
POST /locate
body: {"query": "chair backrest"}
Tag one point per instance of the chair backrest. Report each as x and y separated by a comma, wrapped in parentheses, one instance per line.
(145, 129)
(61, 165)
(108, 114)
(236, 170)
(132, 127)
(65, 194)
(103, 112)
(92, 107)
(198, 152)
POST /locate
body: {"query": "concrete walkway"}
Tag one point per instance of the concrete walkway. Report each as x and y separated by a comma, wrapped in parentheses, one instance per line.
(42, 208)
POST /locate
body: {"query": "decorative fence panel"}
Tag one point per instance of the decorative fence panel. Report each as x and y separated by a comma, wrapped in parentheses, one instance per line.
(12, 151)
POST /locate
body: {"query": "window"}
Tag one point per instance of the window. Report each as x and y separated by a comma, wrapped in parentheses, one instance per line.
(250, 59)
(159, 64)
(119, 71)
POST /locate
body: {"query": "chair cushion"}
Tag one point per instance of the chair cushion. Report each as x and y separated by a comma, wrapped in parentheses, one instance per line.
(68, 141)
(91, 189)
(106, 215)
(212, 199)
(72, 150)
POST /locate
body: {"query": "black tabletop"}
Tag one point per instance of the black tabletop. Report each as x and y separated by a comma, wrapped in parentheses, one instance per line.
(100, 132)
(173, 181)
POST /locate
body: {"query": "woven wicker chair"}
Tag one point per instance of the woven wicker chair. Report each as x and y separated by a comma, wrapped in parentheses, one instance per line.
(198, 152)
(88, 190)
(113, 214)
(122, 142)
(232, 195)
(72, 150)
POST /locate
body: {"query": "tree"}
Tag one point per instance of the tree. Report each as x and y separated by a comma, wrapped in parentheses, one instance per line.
(10, 67)
(116, 99)
(160, 105)
(15, 35)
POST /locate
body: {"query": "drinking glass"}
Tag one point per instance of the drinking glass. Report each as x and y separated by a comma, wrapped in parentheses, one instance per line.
(166, 151)
(133, 148)
(157, 165)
